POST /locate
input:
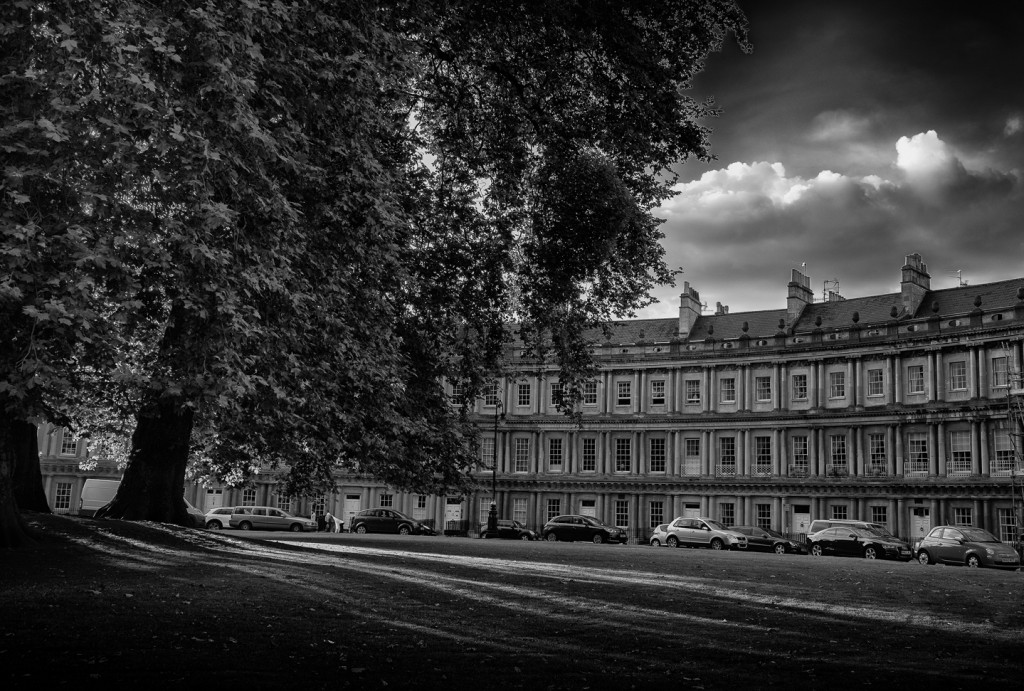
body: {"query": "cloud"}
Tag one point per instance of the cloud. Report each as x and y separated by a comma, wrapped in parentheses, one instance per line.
(838, 125)
(737, 231)
(1013, 126)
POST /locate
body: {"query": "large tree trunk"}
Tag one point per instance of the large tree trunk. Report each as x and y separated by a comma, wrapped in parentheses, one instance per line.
(153, 483)
(28, 478)
(13, 531)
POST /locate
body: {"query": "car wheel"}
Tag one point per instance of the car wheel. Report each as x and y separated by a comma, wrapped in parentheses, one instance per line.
(245, 525)
(404, 530)
(816, 550)
(552, 537)
(780, 548)
(295, 527)
(870, 553)
(525, 537)
(655, 542)
(213, 525)
(598, 539)
(973, 561)
(673, 541)
(717, 544)
(924, 558)
(361, 529)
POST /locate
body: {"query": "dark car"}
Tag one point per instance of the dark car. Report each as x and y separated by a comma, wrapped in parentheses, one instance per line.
(768, 540)
(573, 527)
(387, 521)
(511, 530)
(947, 544)
(852, 541)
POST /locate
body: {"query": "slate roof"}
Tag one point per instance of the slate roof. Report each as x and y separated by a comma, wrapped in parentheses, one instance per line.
(838, 314)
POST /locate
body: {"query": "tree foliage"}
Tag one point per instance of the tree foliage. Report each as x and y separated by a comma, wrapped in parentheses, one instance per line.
(291, 224)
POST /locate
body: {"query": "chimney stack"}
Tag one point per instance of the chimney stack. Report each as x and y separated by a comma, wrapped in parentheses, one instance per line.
(800, 295)
(915, 284)
(721, 309)
(689, 310)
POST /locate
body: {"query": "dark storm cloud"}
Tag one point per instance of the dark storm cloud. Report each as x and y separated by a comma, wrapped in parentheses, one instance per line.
(856, 133)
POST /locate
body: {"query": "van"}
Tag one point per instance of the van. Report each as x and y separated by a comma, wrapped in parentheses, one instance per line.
(98, 493)
(822, 524)
(95, 495)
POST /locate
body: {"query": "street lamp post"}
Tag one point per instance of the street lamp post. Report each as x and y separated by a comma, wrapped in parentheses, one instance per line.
(492, 514)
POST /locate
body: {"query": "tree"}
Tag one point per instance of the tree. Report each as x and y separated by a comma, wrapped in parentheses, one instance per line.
(298, 222)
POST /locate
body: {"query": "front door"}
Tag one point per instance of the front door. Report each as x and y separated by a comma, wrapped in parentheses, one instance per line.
(920, 523)
(214, 499)
(588, 507)
(352, 506)
(801, 520)
(691, 511)
(453, 513)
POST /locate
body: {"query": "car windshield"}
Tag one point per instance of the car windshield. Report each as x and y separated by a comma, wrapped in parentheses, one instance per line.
(595, 522)
(863, 532)
(773, 533)
(881, 531)
(715, 525)
(978, 535)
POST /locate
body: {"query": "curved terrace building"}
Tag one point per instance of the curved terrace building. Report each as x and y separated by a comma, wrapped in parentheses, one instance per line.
(892, 408)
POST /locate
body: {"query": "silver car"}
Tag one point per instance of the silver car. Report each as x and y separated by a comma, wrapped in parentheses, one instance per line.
(963, 546)
(268, 518)
(703, 532)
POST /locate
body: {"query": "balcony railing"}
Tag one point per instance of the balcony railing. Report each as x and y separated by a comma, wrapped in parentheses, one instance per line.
(799, 470)
(876, 471)
(762, 471)
(838, 470)
(726, 470)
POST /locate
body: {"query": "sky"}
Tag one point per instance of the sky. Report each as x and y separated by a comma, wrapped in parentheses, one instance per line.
(856, 132)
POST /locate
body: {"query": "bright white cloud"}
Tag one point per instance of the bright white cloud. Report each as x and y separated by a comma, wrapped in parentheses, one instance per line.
(738, 230)
(1014, 124)
(925, 159)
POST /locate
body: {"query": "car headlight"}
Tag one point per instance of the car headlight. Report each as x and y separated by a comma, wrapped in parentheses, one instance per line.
(989, 551)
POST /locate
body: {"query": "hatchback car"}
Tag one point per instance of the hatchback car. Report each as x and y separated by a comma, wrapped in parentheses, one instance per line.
(852, 541)
(573, 527)
(659, 536)
(962, 546)
(387, 521)
(219, 518)
(268, 518)
(768, 540)
(511, 530)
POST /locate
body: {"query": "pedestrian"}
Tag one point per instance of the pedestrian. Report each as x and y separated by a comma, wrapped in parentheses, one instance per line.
(339, 524)
(312, 517)
(329, 521)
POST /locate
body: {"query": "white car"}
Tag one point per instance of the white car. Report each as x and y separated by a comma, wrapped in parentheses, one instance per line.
(660, 536)
(217, 519)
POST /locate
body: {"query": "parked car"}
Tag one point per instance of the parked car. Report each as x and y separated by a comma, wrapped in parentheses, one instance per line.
(703, 532)
(573, 527)
(197, 516)
(268, 518)
(820, 524)
(853, 541)
(511, 530)
(962, 546)
(387, 521)
(659, 536)
(218, 518)
(768, 540)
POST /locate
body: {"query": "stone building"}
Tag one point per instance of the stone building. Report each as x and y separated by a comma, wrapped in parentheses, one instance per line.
(894, 408)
